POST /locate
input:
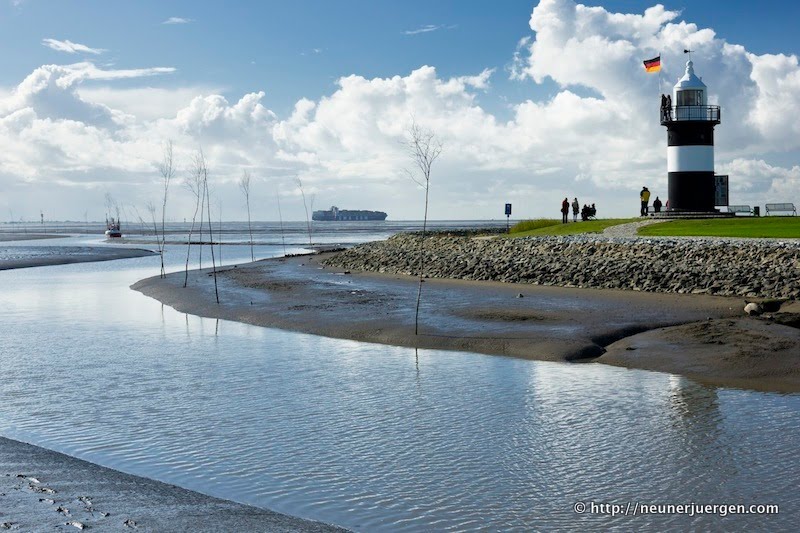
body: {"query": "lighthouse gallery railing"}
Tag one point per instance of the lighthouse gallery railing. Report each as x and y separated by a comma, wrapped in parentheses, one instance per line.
(680, 113)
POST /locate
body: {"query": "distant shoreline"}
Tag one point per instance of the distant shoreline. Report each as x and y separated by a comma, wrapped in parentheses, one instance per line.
(514, 319)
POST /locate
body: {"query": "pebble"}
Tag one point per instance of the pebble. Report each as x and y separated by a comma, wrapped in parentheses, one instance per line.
(718, 266)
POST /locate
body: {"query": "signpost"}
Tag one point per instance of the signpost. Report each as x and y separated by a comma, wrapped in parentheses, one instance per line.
(508, 215)
(721, 190)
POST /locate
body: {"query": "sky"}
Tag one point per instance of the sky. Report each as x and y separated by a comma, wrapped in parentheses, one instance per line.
(531, 101)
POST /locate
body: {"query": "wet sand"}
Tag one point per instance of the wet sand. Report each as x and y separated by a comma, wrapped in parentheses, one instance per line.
(10, 237)
(63, 255)
(520, 320)
(42, 490)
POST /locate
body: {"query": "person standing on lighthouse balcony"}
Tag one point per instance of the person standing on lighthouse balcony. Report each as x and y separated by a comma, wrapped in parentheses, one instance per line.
(644, 197)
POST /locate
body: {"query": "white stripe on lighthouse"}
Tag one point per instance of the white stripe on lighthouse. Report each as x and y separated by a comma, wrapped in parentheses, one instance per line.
(690, 159)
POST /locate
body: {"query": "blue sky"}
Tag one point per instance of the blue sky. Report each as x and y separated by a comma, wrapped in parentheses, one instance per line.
(300, 51)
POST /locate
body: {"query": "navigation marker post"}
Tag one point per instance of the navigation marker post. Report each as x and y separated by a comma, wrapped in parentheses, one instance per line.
(508, 215)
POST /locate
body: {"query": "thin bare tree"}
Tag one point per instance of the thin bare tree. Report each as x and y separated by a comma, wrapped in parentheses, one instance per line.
(305, 206)
(280, 218)
(210, 235)
(219, 233)
(167, 170)
(244, 185)
(194, 183)
(424, 149)
(142, 221)
(151, 208)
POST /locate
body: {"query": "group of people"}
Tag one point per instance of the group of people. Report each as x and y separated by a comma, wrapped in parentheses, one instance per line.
(666, 107)
(590, 211)
(586, 211)
(644, 198)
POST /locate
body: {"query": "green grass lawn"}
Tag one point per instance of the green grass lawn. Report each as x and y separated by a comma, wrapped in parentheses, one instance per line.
(777, 227)
(555, 227)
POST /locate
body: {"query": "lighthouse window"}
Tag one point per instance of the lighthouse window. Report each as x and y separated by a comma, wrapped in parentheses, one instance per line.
(690, 98)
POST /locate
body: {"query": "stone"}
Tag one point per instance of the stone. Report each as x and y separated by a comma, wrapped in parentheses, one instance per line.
(753, 309)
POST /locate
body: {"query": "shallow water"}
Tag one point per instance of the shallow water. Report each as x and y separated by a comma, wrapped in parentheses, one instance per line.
(367, 436)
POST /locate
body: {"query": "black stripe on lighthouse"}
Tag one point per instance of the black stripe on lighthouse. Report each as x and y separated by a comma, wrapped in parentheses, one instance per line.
(690, 133)
(690, 165)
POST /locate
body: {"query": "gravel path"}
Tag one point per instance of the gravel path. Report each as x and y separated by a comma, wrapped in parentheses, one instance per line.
(628, 230)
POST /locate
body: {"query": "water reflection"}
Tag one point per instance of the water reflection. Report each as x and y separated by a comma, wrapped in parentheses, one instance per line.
(368, 436)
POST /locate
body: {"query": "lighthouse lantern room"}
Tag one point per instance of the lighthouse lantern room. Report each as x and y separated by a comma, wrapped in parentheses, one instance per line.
(690, 125)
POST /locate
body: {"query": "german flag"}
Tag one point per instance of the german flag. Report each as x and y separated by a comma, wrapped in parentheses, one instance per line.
(652, 65)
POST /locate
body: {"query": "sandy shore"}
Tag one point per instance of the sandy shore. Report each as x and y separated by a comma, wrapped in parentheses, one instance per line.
(63, 255)
(10, 237)
(42, 490)
(520, 320)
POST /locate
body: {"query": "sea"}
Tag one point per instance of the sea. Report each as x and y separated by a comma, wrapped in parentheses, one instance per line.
(367, 436)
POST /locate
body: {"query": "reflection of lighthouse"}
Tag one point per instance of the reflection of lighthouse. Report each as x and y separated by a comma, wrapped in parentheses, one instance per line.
(690, 145)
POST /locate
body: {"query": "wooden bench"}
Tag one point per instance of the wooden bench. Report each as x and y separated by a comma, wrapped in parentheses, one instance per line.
(781, 208)
(740, 209)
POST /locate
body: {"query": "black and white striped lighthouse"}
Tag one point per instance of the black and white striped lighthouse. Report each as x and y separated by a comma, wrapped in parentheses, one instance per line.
(690, 125)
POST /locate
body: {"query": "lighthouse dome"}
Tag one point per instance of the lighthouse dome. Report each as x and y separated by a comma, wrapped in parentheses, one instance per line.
(690, 90)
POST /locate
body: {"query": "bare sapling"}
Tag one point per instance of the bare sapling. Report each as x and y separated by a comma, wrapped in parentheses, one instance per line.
(219, 233)
(244, 185)
(210, 235)
(167, 171)
(151, 208)
(305, 206)
(280, 219)
(195, 185)
(142, 221)
(424, 149)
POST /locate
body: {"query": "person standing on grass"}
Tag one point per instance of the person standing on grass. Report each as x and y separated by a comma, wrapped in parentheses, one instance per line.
(565, 211)
(644, 196)
(576, 207)
(657, 205)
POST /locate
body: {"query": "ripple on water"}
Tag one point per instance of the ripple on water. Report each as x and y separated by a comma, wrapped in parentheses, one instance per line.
(375, 437)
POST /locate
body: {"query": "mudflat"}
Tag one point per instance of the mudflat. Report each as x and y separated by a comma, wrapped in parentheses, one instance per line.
(511, 319)
(42, 490)
(26, 257)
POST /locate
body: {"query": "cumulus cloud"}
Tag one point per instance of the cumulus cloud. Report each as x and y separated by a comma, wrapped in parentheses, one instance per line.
(47, 127)
(756, 181)
(596, 135)
(70, 47)
(589, 47)
(145, 103)
(177, 20)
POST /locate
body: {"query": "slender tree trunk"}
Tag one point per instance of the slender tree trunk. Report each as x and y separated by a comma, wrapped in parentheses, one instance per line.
(189, 243)
(211, 239)
(305, 206)
(167, 172)
(250, 229)
(280, 218)
(202, 214)
(424, 149)
(421, 261)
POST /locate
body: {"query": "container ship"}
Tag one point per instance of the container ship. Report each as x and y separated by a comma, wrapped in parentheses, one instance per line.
(334, 214)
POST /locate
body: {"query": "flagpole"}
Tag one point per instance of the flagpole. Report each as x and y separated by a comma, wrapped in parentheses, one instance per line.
(659, 77)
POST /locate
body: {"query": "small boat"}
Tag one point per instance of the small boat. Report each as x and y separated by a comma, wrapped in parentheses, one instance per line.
(113, 230)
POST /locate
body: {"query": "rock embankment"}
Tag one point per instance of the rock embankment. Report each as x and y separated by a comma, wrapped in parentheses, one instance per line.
(724, 267)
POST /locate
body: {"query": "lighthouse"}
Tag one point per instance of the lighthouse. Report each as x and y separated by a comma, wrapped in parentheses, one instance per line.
(690, 125)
